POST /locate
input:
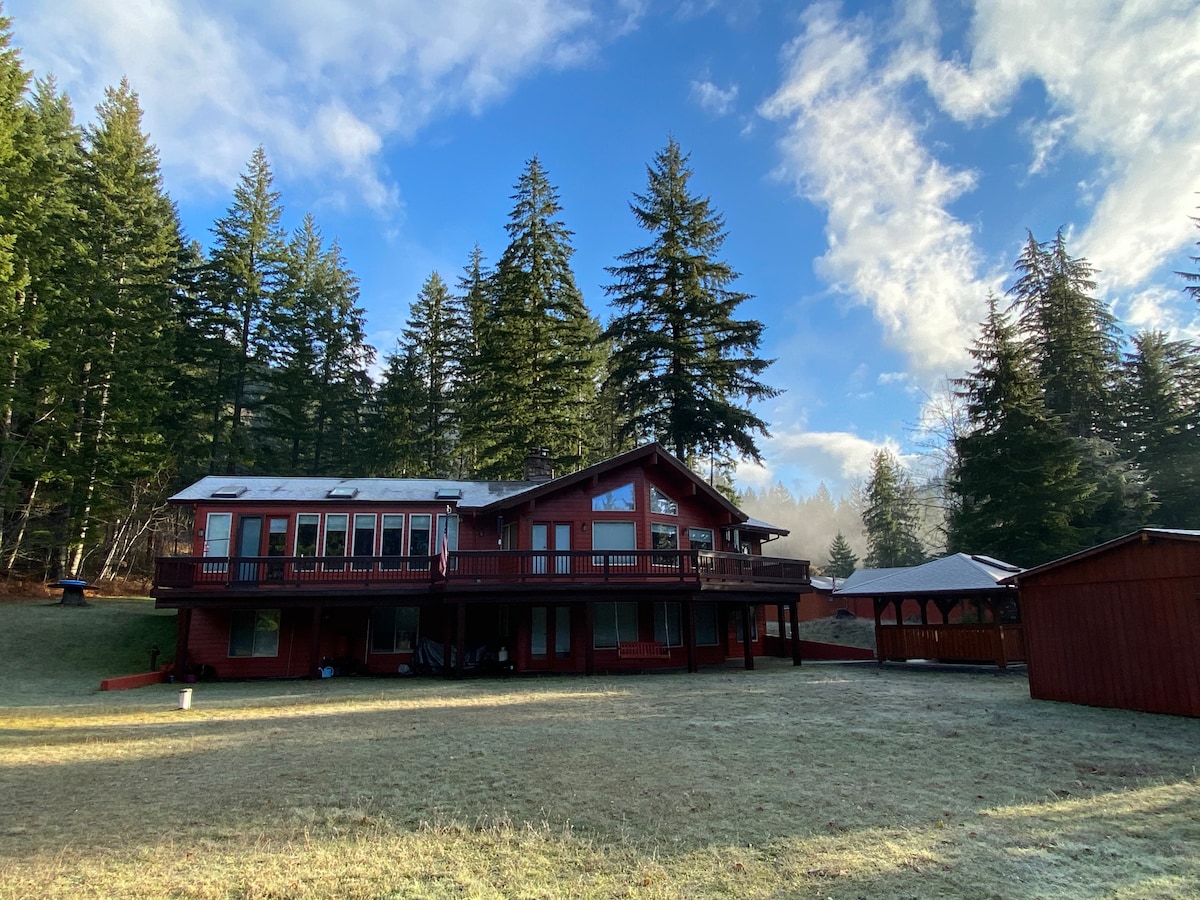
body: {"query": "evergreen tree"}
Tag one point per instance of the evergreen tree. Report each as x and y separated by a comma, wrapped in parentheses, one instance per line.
(684, 369)
(111, 336)
(539, 343)
(1192, 279)
(1161, 402)
(842, 560)
(247, 274)
(891, 519)
(433, 334)
(397, 417)
(475, 390)
(1018, 474)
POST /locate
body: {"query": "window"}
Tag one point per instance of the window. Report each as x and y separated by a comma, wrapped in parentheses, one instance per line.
(613, 536)
(391, 543)
(216, 540)
(364, 539)
(662, 504)
(418, 540)
(335, 538)
(668, 624)
(700, 538)
(394, 629)
(706, 625)
(539, 632)
(665, 537)
(307, 526)
(619, 499)
(254, 632)
(276, 546)
(615, 622)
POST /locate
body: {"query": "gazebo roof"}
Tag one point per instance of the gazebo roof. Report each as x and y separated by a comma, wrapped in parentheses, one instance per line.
(957, 574)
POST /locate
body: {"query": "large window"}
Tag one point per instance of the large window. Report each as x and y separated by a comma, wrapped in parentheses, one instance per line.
(391, 541)
(336, 525)
(615, 622)
(614, 536)
(665, 537)
(276, 546)
(254, 632)
(447, 526)
(668, 624)
(216, 540)
(307, 527)
(706, 625)
(394, 629)
(418, 540)
(539, 632)
(700, 538)
(662, 504)
(619, 499)
(364, 539)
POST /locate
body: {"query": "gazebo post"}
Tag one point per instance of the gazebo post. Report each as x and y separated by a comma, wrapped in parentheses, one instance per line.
(796, 634)
(747, 641)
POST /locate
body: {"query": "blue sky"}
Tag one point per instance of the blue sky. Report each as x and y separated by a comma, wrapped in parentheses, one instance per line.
(877, 165)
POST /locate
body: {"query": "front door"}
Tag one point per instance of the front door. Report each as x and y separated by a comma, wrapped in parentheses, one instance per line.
(249, 546)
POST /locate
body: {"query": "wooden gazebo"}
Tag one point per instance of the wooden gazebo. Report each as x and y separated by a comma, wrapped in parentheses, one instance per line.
(980, 616)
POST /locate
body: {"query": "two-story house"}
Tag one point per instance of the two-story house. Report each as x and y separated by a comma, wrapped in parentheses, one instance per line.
(632, 563)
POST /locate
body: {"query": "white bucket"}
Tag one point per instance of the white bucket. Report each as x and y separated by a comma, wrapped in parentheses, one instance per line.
(185, 698)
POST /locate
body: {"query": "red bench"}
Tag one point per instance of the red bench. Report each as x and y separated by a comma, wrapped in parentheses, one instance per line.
(643, 650)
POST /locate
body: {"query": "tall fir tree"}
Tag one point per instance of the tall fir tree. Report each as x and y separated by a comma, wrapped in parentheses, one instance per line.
(475, 390)
(842, 560)
(1160, 399)
(247, 275)
(396, 418)
(113, 332)
(684, 369)
(433, 333)
(540, 341)
(1018, 475)
(891, 519)
(1191, 280)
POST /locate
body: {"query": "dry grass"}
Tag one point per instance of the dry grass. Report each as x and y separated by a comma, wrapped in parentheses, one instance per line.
(824, 781)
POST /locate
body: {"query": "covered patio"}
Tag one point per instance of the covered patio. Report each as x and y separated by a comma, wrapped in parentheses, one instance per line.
(979, 619)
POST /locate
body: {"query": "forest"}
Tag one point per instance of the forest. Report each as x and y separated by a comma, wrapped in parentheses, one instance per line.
(137, 359)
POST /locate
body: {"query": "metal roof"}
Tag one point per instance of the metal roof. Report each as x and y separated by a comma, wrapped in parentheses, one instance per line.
(1140, 534)
(262, 489)
(956, 574)
(859, 577)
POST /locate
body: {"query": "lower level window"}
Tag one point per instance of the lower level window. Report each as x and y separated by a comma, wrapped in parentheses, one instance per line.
(753, 626)
(668, 624)
(394, 629)
(615, 622)
(706, 625)
(254, 632)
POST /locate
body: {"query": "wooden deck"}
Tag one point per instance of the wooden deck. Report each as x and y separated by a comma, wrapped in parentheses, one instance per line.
(525, 568)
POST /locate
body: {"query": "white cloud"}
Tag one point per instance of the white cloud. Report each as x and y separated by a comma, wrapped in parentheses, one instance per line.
(852, 148)
(322, 85)
(1158, 309)
(714, 100)
(835, 457)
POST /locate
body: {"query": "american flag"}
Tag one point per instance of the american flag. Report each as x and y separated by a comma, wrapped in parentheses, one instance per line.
(444, 555)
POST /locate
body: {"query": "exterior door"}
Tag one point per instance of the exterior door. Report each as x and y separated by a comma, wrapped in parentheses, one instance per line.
(249, 545)
(540, 543)
(546, 538)
(562, 541)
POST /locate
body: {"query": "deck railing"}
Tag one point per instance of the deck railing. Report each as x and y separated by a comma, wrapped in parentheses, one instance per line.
(964, 642)
(552, 567)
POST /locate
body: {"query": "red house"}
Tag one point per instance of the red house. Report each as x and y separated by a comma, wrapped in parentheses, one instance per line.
(633, 563)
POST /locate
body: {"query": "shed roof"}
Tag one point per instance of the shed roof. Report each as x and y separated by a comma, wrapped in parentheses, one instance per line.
(859, 577)
(955, 574)
(1141, 534)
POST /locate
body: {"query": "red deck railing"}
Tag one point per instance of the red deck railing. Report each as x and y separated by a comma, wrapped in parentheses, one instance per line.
(478, 567)
(1000, 643)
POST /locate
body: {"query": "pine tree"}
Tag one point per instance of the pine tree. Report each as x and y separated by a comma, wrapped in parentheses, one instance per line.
(247, 274)
(433, 335)
(891, 519)
(396, 417)
(112, 335)
(475, 390)
(1161, 403)
(1018, 474)
(684, 368)
(1192, 279)
(539, 343)
(842, 560)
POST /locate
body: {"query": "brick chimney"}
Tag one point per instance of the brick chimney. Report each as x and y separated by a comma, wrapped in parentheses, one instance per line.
(538, 465)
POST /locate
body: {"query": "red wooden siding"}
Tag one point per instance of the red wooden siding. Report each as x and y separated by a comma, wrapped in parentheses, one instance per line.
(1120, 628)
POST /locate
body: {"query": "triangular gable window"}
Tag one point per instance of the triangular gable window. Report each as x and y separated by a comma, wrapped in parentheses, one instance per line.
(619, 499)
(662, 504)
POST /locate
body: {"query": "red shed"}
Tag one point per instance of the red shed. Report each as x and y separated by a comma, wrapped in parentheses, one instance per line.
(1118, 625)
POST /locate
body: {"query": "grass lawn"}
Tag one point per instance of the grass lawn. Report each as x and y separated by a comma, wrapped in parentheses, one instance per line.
(839, 781)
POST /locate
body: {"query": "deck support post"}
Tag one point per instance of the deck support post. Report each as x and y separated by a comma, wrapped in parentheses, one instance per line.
(589, 632)
(460, 638)
(183, 627)
(878, 604)
(747, 642)
(314, 644)
(447, 641)
(796, 660)
(689, 634)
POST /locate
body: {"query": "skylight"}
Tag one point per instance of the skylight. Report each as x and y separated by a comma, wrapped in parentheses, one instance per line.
(229, 492)
(344, 492)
